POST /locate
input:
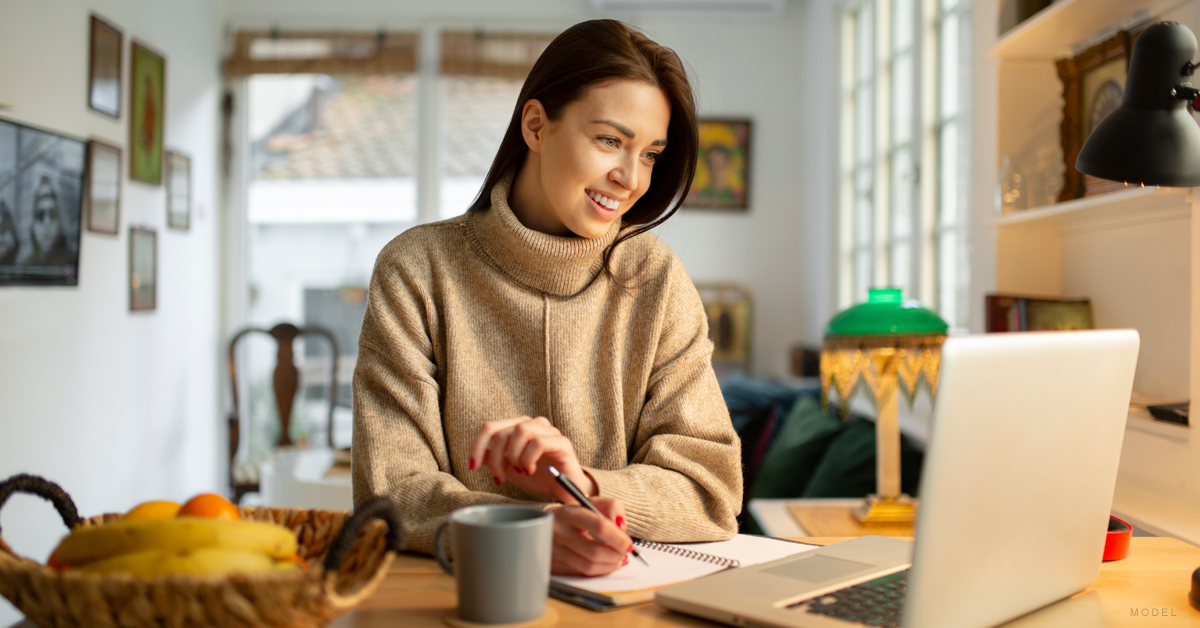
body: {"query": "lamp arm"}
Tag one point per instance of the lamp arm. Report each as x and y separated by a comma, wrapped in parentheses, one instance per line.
(1185, 92)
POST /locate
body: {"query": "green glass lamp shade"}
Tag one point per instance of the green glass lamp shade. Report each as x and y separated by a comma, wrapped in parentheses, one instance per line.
(1151, 138)
(886, 314)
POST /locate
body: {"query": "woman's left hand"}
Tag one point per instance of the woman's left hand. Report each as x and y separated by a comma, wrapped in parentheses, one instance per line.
(519, 449)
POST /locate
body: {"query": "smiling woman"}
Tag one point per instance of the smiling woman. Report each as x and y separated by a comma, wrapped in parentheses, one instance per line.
(520, 335)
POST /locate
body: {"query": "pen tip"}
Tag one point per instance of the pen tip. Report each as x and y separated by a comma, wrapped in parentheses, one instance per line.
(552, 470)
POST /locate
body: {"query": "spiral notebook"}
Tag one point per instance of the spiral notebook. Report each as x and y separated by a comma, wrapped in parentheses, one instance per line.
(670, 563)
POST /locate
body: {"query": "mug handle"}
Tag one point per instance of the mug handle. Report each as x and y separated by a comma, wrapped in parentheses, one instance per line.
(439, 547)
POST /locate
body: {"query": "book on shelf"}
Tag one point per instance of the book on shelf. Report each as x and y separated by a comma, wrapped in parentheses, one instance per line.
(668, 564)
(1008, 312)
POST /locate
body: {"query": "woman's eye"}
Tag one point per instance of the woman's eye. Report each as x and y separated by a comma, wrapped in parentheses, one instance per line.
(610, 142)
(652, 156)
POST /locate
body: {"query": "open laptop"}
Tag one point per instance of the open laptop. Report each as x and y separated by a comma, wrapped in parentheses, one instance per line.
(1015, 498)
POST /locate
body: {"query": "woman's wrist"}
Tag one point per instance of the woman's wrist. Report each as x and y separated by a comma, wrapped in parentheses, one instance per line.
(592, 489)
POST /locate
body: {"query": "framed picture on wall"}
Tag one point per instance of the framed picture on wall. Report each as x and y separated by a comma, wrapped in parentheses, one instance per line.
(143, 269)
(1093, 86)
(179, 190)
(148, 105)
(104, 69)
(723, 173)
(41, 204)
(102, 193)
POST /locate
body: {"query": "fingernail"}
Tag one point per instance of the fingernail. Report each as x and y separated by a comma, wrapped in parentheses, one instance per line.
(471, 464)
(496, 480)
(620, 522)
(625, 562)
(630, 548)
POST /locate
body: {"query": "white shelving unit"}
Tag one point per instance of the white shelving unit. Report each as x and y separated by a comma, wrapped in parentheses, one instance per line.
(1136, 205)
(1053, 31)
(1129, 251)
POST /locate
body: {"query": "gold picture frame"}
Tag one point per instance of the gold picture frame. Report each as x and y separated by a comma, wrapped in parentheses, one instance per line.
(1093, 84)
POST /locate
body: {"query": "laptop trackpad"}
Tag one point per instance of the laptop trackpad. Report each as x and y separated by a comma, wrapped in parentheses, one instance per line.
(818, 569)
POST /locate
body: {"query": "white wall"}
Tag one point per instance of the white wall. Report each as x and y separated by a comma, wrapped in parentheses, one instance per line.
(779, 72)
(116, 407)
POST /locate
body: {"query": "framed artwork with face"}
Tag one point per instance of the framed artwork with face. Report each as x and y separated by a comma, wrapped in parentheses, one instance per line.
(102, 194)
(179, 190)
(104, 69)
(723, 172)
(148, 106)
(41, 205)
(143, 269)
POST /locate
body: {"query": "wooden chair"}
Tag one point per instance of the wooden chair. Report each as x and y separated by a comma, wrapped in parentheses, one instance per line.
(286, 383)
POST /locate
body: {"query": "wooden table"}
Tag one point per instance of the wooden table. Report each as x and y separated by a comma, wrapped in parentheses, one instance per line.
(1155, 576)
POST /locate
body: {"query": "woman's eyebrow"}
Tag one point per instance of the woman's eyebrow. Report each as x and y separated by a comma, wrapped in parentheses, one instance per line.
(628, 132)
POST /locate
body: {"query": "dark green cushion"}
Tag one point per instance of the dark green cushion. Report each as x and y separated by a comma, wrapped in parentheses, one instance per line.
(848, 467)
(797, 449)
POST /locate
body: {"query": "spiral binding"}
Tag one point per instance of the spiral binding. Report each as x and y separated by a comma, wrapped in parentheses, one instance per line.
(687, 553)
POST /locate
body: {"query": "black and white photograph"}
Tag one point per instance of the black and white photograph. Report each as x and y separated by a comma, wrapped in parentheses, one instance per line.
(41, 203)
(103, 192)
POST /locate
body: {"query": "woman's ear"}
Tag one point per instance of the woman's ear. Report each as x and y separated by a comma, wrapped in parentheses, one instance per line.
(533, 124)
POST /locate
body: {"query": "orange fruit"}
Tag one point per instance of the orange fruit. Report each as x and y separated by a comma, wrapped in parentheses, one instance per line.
(152, 511)
(209, 506)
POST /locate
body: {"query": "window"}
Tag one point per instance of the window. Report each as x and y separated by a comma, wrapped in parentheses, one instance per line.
(342, 133)
(904, 114)
(480, 79)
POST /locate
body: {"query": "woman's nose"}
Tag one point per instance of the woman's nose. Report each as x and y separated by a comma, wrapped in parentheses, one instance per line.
(626, 174)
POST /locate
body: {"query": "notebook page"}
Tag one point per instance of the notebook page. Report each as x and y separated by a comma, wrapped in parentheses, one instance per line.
(666, 569)
(748, 549)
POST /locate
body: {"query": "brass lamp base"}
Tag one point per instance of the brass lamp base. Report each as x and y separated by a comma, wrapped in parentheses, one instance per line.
(878, 509)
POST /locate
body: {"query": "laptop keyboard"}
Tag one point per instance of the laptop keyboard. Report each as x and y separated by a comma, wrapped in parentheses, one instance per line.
(874, 603)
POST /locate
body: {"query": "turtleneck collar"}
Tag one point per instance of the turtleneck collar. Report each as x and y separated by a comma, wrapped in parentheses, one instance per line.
(559, 265)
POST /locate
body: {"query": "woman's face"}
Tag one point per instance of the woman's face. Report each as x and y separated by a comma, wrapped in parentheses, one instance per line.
(594, 162)
(46, 226)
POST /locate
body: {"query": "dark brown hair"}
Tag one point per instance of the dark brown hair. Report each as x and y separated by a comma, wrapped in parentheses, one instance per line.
(590, 54)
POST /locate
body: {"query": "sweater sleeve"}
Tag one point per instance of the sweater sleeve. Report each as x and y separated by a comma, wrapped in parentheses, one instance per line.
(399, 447)
(684, 480)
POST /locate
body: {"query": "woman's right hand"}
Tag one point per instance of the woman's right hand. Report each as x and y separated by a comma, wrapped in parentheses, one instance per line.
(586, 544)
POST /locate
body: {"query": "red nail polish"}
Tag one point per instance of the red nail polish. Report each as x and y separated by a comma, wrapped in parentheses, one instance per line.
(630, 548)
(496, 480)
(620, 522)
(625, 562)
(471, 464)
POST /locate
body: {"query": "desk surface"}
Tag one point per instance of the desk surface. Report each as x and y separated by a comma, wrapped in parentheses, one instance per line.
(1155, 576)
(1153, 579)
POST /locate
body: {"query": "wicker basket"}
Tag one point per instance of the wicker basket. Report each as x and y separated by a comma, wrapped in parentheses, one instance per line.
(348, 557)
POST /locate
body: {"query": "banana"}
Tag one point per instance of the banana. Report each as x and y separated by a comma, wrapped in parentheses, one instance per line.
(173, 535)
(203, 561)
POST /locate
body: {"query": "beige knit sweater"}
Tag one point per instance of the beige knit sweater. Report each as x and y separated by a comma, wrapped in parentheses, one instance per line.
(478, 318)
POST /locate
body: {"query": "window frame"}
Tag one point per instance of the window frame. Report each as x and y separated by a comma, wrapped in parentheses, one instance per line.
(869, 260)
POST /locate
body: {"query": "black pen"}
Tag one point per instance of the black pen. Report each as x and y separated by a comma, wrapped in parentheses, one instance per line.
(583, 501)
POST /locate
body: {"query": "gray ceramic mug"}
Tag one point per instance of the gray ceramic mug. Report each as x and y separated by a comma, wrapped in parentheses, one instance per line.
(502, 561)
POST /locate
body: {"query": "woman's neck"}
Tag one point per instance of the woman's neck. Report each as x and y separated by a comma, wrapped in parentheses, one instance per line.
(528, 202)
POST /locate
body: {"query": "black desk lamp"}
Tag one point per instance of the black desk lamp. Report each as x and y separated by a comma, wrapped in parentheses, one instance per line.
(1151, 138)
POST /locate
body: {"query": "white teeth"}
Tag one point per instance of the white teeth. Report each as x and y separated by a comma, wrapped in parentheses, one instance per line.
(610, 203)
